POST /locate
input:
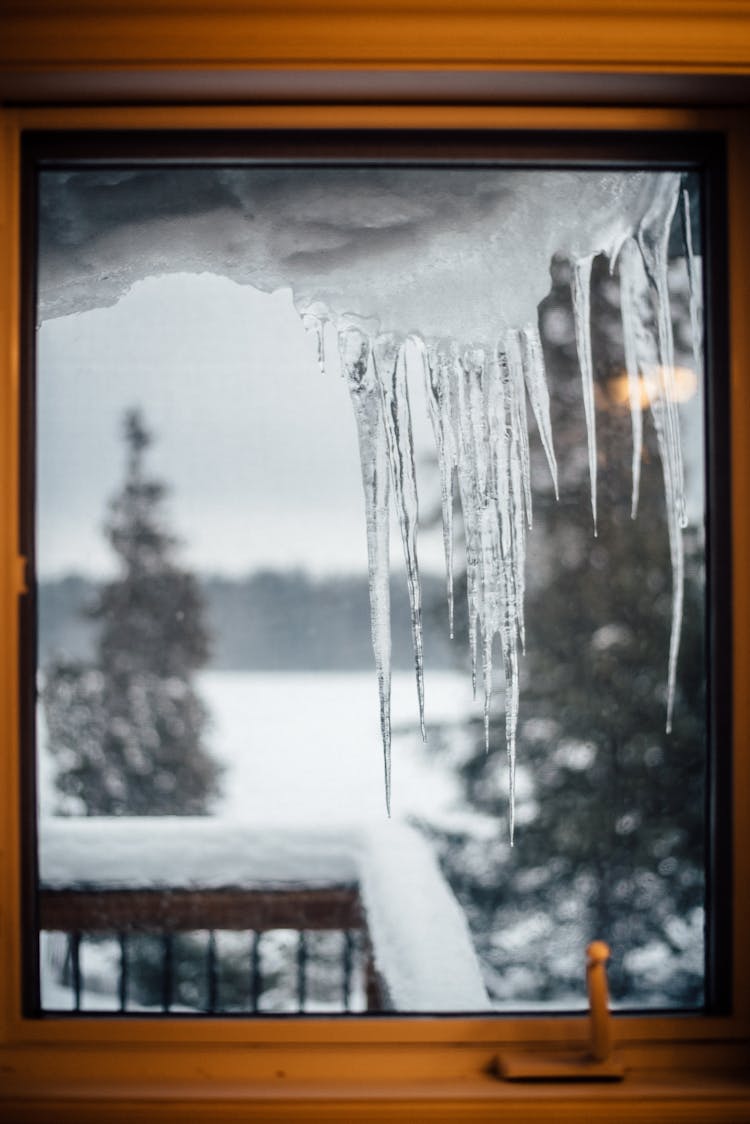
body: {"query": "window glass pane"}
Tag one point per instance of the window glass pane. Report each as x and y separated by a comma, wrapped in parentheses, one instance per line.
(232, 365)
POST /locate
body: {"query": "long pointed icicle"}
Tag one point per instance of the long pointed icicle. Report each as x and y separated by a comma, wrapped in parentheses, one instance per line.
(653, 240)
(505, 388)
(482, 531)
(694, 284)
(630, 327)
(536, 386)
(466, 415)
(636, 311)
(479, 447)
(582, 312)
(677, 554)
(518, 419)
(517, 493)
(356, 361)
(438, 386)
(392, 359)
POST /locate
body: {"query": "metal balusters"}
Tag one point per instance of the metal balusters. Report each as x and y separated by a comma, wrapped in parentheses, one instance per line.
(301, 969)
(123, 982)
(212, 973)
(74, 951)
(318, 965)
(349, 948)
(372, 983)
(167, 944)
(256, 984)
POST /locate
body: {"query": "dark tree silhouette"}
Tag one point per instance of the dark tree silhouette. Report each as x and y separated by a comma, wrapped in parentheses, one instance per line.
(126, 731)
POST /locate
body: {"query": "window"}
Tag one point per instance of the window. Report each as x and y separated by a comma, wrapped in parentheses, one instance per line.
(179, 294)
(436, 1067)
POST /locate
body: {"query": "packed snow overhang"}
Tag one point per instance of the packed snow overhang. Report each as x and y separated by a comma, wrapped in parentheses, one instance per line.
(444, 252)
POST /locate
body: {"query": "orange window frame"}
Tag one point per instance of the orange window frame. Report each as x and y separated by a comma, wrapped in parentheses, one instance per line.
(353, 1068)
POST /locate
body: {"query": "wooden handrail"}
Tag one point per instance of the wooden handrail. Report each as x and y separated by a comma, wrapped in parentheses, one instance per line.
(181, 910)
(168, 911)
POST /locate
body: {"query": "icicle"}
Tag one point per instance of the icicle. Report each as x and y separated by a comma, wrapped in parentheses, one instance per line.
(694, 285)
(393, 358)
(505, 399)
(488, 413)
(653, 239)
(356, 361)
(475, 422)
(536, 385)
(630, 326)
(677, 554)
(636, 313)
(676, 549)
(518, 419)
(315, 326)
(467, 414)
(517, 491)
(475, 368)
(491, 609)
(582, 311)
(438, 385)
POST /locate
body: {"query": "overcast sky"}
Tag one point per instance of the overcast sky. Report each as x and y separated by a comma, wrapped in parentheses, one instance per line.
(258, 447)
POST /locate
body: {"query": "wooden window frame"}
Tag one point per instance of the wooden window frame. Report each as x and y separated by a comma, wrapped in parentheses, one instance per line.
(683, 1067)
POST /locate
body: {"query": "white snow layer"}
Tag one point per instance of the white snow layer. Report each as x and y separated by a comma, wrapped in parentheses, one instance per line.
(420, 938)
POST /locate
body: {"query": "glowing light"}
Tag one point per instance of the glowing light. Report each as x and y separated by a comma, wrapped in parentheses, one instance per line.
(684, 383)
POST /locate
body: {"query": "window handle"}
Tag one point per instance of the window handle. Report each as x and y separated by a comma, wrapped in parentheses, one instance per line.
(595, 1064)
(600, 1022)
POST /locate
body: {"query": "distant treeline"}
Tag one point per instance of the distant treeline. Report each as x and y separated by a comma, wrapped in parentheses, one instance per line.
(275, 620)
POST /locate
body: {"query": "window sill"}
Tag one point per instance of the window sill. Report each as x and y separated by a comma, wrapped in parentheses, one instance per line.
(643, 1095)
(227, 1077)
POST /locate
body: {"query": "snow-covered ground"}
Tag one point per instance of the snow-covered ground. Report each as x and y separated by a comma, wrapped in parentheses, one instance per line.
(305, 747)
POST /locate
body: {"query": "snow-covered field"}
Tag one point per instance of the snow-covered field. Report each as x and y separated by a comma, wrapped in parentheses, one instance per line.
(305, 747)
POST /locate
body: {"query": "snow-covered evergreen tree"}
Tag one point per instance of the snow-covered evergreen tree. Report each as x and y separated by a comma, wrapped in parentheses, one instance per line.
(126, 732)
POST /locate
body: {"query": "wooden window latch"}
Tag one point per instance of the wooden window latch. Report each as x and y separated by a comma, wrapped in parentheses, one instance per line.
(595, 1064)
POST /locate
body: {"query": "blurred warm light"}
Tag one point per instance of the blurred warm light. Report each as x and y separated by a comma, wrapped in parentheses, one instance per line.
(685, 383)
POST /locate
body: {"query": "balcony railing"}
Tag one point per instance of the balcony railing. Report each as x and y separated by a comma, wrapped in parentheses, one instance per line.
(125, 915)
(395, 938)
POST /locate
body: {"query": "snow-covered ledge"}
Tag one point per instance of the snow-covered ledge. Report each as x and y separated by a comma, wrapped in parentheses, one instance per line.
(420, 939)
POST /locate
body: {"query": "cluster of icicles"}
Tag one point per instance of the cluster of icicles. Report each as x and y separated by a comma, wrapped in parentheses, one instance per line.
(478, 408)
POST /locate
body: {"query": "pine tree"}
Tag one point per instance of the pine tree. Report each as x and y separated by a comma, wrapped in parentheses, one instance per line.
(127, 730)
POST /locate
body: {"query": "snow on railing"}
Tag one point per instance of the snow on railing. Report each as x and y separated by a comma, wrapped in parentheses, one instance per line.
(420, 939)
